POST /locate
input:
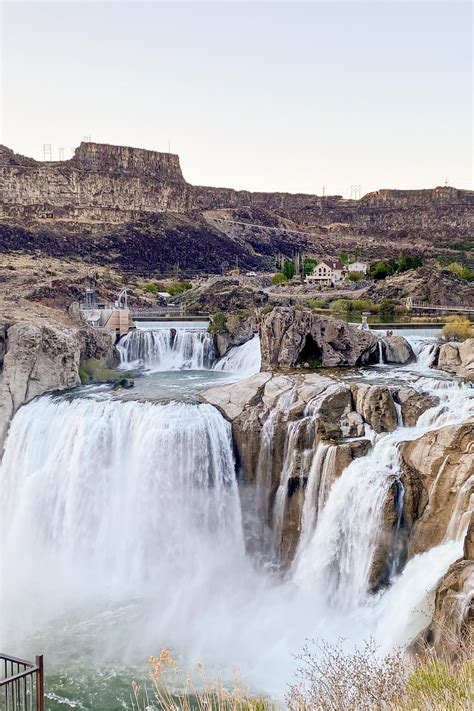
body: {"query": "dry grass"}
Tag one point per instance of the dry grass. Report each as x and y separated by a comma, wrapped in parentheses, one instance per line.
(170, 691)
(328, 679)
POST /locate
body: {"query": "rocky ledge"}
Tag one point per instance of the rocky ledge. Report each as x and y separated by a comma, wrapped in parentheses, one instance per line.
(40, 357)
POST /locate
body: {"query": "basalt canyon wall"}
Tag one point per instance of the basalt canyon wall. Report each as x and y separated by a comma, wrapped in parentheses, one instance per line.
(114, 184)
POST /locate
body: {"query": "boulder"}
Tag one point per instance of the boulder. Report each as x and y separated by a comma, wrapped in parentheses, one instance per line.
(346, 452)
(412, 404)
(375, 405)
(457, 358)
(396, 349)
(293, 337)
(438, 483)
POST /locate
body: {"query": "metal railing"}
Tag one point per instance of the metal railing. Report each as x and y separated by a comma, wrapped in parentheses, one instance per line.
(21, 684)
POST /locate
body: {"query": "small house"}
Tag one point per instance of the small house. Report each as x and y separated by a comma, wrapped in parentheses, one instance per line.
(326, 273)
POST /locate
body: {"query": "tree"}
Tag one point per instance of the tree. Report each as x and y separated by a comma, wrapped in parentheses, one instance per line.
(289, 268)
(309, 265)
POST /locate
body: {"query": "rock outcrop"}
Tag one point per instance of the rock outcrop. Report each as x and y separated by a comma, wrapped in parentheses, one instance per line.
(375, 405)
(292, 337)
(457, 358)
(278, 422)
(430, 284)
(44, 357)
(412, 404)
(438, 482)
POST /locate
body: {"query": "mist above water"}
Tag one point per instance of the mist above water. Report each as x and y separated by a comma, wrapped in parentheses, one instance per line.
(129, 531)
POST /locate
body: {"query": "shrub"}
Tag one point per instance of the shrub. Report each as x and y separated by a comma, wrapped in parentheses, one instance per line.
(461, 271)
(278, 278)
(459, 329)
(178, 287)
(341, 305)
(354, 276)
(268, 308)
(218, 323)
(151, 287)
(314, 304)
(382, 269)
(93, 370)
(332, 679)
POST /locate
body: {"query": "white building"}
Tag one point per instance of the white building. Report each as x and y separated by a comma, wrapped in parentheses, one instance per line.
(327, 273)
(360, 267)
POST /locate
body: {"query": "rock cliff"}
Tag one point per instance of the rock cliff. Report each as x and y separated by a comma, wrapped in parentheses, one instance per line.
(109, 190)
(278, 423)
(44, 357)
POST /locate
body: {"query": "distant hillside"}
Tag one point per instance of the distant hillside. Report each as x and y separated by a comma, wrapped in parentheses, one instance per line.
(133, 207)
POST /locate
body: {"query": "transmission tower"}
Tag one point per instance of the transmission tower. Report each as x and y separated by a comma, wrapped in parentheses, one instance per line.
(47, 151)
(61, 153)
(355, 192)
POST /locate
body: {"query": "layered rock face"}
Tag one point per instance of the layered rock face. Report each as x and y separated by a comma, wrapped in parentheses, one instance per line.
(280, 422)
(44, 357)
(292, 337)
(438, 478)
(115, 184)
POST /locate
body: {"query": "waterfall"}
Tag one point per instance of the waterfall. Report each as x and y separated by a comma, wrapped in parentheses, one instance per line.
(167, 349)
(320, 479)
(339, 555)
(380, 350)
(246, 360)
(108, 499)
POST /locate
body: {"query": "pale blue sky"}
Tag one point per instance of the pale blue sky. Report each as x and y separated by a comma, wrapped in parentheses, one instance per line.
(265, 96)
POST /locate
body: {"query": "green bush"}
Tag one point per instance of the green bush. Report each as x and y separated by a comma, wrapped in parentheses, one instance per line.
(341, 305)
(278, 278)
(151, 287)
(93, 370)
(178, 287)
(267, 309)
(309, 265)
(382, 269)
(314, 304)
(218, 324)
(461, 271)
(354, 276)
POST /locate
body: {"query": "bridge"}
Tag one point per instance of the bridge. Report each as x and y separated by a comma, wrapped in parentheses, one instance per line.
(167, 313)
(412, 305)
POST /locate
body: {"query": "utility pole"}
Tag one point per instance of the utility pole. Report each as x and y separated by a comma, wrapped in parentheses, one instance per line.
(47, 152)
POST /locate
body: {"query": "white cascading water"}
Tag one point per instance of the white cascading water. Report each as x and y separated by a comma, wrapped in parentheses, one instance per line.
(164, 349)
(129, 533)
(116, 499)
(245, 360)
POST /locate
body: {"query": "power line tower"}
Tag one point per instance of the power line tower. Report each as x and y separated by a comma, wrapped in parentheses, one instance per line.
(61, 153)
(355, 192)
(47, 151)
(87, 139)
